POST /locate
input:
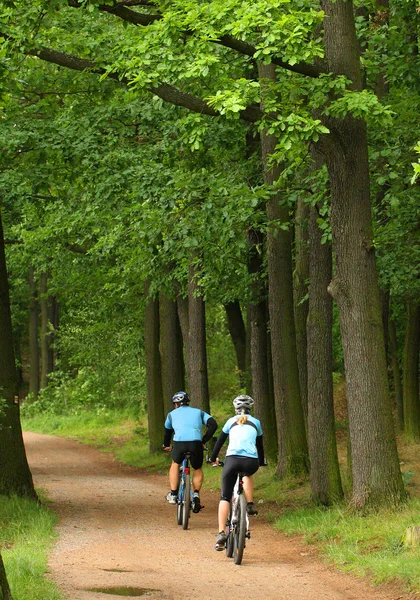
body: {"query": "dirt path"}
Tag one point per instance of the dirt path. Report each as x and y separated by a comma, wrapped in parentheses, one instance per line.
(116, 530)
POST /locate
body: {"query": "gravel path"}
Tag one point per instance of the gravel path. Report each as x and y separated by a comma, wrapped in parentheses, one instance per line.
(116, 530)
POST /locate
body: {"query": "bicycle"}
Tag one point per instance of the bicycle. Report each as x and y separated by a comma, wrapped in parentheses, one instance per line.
(185, 493)
(237, 525)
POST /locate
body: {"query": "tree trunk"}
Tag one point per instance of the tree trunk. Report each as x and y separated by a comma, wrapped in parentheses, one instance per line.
(171, 353)
(411, 373)
(182, 309)
(375, 466)
(155, 404)
(293, 450)
(237, 332)
(300, 288)
(4, 585)
(33, 338)
(262, 388)
(198, 383)
(396, 375)
(15, 476)
(325, 473)
(47, 356)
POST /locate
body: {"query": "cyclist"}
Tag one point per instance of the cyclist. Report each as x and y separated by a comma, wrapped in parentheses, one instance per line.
(245, 453)
(185, 423)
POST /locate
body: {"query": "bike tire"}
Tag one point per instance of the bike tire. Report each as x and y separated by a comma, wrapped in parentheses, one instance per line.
(186, 503)
(179, 509)
(240, 531)
(229, 536)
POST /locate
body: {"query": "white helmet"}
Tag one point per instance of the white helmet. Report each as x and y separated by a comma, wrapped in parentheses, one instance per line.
(243, 402)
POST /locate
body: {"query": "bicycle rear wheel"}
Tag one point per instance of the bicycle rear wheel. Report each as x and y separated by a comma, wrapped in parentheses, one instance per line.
(179, 507)
(186, 502)
(240, 531)
(229, 535)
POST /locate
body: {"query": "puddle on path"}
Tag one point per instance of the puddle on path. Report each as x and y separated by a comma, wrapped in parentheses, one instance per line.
(132, 592)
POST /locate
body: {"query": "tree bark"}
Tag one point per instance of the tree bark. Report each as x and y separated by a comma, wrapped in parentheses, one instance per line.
(325, 473)
(293, 450)
(396, 375)
(375, 465)
(47, 352)
(4, 584)
(155, 404)
(411, 372)
(33, 338)
(237, 332)
(171, 352)
(262, 388)
(198, 382)
(300, 288)
(15, 476)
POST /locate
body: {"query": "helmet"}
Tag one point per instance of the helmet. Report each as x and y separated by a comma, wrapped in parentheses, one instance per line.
(243, 402)
(181, 398)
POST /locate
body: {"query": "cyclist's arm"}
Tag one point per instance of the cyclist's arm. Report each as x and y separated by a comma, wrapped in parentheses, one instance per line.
(211, 428)
(217, 446)
(167, 437)
(260, 450)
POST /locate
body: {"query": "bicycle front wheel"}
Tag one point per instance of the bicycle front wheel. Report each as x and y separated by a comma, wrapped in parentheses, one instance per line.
(240, 531)
(186, 503)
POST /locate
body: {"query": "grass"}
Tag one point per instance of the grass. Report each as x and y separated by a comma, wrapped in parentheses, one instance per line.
(369, 545)
(26, 537)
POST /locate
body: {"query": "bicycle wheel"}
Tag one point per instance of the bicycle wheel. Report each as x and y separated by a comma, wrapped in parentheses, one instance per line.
(186, 502)
(240, 531)
(229, 536)
(179, 504)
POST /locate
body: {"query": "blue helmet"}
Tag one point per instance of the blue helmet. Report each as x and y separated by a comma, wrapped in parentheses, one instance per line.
(181, 398)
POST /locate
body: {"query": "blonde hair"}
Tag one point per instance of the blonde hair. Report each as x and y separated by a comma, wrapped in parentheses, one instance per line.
(242, 420)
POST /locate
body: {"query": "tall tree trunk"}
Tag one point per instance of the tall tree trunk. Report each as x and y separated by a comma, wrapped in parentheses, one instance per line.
(293, 450)
(325, 473)
(198, 383)
(15, 476)
(300, 288)
(33, 338)
(396, 375)
(4, 584)
(155, 404)
(262, 388)
(237, 332)
(375, 466)
(171, 353)
(182, 309)
(411, 372)
(47, 362)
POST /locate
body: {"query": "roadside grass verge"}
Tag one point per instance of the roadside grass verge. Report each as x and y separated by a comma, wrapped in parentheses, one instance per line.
(369, 545)
(26, 536)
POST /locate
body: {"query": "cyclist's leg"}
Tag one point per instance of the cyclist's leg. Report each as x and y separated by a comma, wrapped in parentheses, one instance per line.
(249, 488)
(177, 457)
(250, 467)
(229, 475)
(196, 449)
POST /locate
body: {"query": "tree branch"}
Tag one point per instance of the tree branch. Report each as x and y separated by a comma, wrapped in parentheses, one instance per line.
(167, 92)
(120, 10)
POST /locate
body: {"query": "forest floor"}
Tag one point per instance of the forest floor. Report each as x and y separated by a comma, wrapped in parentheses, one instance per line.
(116, 531)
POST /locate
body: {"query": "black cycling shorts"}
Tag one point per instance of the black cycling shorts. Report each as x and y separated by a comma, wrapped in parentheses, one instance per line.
(196, 448)
(234, 465)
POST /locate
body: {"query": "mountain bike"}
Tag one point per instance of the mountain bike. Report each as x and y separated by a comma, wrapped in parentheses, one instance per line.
(237, 525)
(185, 493)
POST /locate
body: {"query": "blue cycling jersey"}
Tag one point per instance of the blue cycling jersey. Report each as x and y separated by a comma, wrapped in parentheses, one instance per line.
(187, 423)
(242, 438)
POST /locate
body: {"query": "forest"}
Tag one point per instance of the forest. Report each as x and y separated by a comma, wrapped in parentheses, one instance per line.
(218, 196)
